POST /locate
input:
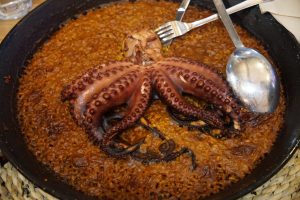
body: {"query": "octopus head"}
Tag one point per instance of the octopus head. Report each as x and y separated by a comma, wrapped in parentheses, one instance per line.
(143, 47)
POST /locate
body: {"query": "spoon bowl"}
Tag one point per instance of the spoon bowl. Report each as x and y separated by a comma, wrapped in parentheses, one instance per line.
(253, 80)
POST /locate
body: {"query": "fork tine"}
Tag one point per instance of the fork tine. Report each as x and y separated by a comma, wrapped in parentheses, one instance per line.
(162, 27)
(165, 30)
(166, 39)
(166, 34)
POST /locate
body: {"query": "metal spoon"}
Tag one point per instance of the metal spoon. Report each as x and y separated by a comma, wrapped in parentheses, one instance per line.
(251, 76)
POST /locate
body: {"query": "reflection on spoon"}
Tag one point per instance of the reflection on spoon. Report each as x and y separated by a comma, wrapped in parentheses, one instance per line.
(250, 74)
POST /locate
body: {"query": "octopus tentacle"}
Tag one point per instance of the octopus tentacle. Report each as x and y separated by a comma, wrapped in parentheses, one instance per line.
(114, 150)
(139, 89)
(108, 98)
(191, 79)
(137, 105)
(169, 92)
(92, 83)
(87, 79)
(167, 148)
(199, 67)
(190, 122)
(151, 157)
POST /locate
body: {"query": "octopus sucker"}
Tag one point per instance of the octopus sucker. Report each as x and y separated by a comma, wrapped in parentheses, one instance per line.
(134, 82)
(169, 93)
(202, 82)
(137, 105)
(95, 87)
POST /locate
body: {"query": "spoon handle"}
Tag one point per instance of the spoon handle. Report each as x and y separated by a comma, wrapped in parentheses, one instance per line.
(228, 24)
(236, 8)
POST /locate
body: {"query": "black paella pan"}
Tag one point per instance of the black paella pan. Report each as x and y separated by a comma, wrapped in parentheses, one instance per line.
(20, 44)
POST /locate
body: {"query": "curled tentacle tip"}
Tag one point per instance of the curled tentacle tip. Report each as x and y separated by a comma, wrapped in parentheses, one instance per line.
(112, 148)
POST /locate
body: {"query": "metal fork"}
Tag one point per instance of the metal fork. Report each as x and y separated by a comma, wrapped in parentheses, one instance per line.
(179, 15)
(174, 29)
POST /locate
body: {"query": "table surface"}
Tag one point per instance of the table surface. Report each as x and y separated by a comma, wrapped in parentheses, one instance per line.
(6, 25)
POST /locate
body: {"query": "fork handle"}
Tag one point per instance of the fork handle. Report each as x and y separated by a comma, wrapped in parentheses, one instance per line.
(233, 9)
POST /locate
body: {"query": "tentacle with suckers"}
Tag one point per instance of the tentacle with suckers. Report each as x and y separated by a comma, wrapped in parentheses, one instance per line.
(85, 87)
(201, 81)
(169, 92)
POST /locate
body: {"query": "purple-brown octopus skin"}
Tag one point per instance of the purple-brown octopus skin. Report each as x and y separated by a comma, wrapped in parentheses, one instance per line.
(131, 82)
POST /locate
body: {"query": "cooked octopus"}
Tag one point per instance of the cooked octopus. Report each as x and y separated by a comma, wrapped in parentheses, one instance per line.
(134, 82)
